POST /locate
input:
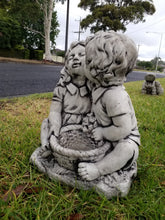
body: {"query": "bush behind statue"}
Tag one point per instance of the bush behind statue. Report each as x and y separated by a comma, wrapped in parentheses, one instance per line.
(22, 53)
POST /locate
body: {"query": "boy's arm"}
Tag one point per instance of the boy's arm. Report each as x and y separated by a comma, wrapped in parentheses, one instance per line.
(118, 106)
(120, 129)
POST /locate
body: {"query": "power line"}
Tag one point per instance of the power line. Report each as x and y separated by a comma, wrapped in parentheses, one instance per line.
(147, 26)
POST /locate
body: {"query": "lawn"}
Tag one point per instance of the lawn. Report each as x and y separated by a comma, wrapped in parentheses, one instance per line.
(25, 193)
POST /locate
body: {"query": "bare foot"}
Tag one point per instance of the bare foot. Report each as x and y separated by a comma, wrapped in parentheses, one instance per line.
(88, 171)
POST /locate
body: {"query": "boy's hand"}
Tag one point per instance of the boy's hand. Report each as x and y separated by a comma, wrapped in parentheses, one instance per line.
(98, 133)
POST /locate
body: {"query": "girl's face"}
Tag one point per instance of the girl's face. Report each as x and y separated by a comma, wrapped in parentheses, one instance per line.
(76, 61)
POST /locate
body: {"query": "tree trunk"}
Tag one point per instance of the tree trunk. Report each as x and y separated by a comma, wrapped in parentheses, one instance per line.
(47, 44)
(48, 9)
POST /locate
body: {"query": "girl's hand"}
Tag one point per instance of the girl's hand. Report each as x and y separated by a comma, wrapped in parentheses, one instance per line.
(52, 131)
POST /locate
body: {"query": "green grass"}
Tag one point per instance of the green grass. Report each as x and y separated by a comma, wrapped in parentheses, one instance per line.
(35, 196)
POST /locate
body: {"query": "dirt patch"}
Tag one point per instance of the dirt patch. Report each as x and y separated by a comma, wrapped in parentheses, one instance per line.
(4, 103)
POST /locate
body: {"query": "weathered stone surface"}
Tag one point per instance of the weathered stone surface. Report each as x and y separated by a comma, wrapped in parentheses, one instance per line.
(151, 86)
(90, 138)
(116, 184)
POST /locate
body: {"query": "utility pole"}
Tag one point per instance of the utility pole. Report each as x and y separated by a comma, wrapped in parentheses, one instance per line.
(79, 31)
(161, 37)
(67, 27)
(138, 48)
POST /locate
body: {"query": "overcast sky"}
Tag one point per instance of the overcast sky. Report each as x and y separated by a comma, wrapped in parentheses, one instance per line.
(148, 44)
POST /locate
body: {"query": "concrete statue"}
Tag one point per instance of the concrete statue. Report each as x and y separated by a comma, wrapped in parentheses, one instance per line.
(151, 86)
(90, 138)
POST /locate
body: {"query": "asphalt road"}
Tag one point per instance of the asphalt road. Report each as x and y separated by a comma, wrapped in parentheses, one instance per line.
(17, 79)
(138, 76)
(22, 79)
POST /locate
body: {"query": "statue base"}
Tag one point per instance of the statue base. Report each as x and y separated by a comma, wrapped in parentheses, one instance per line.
(116, 184)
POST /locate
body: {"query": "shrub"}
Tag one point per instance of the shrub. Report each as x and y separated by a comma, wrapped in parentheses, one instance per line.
(36, 54)
(20, 53)
(60, 53)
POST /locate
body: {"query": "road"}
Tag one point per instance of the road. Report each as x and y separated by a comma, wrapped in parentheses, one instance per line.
(22, 79)
(17, 79)
(137, 76)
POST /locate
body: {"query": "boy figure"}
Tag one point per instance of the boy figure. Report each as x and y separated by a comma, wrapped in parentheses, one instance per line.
(109, 58)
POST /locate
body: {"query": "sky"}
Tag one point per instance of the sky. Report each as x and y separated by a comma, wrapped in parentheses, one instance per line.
(148, 36)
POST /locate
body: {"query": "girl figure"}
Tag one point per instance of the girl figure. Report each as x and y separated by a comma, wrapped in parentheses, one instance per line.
(71, 101)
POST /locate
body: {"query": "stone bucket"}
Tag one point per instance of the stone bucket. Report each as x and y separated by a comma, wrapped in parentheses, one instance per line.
(76, 147)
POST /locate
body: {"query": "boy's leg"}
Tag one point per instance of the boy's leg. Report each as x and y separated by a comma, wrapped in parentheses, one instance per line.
(122, 156)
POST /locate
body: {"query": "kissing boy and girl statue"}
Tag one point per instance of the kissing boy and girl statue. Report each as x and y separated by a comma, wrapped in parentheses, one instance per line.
(90, 138)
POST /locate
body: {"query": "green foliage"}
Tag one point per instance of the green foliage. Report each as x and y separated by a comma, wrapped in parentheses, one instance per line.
(10, 31)
(161, 63)
(20, 53)
(114, 14)
(150, 65)
(26, 53)
(91, 4)
(62, 1)
(38, 54)
(30, 18)
(160, 68)
(42, 198)
(54, 29)
(29, 15)
(4, 4)
(60, 53)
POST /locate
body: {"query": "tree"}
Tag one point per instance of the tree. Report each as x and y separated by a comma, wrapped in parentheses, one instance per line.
(148, 65)
(158, 63)
(30, 18)
(47, 7)
(62, 1)
(38, 21)
(4, 4)
(10, 31)
(114, 14)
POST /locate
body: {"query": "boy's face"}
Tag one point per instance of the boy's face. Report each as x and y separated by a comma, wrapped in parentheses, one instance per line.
(76, 61)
